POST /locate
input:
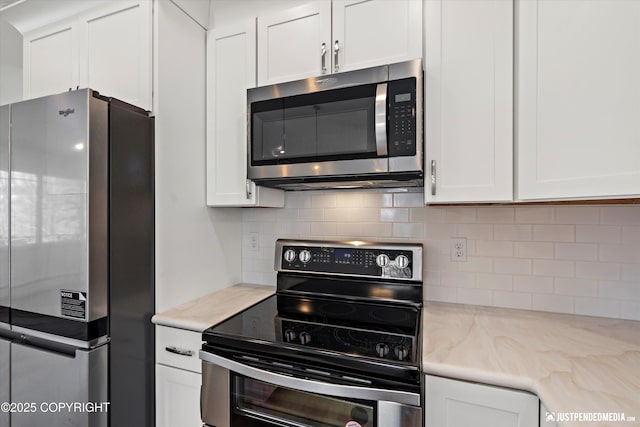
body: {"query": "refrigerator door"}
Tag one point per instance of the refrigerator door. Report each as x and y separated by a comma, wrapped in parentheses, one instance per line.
(53, 380)
(5, 132)
(5, 379)
(59, 214)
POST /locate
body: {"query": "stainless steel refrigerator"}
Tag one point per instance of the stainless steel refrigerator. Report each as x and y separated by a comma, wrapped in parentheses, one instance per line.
(76, 262)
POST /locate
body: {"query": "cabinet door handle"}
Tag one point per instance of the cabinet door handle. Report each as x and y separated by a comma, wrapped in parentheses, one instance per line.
(323, 57)
(248, 189)
(179, 351)
(336, 49)
(433, 177)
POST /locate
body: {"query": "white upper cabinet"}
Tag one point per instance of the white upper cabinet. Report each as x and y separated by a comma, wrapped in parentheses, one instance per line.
(311, 40)
(375, 32)
(468, 101)
(579, 91)
(50, 59)
(290, 43)
(452, 403)
(116, 52)
(231, 62)
(108, 49)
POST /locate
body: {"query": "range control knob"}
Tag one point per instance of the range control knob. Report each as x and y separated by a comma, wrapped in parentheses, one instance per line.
(402, 261)
(305, 256)
(289, 335)
(382, 260)
(289, 255)
(305, 338)
(401, 352)
(382, 349)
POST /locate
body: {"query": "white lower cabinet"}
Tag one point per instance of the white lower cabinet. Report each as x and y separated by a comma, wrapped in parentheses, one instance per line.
(178, 377)
(453, 403)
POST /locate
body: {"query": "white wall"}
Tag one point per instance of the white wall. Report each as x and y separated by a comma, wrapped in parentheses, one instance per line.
(568, 259)
(198, 249)
(10, 63)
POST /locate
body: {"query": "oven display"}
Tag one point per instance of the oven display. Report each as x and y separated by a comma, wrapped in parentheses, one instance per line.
(343, 256)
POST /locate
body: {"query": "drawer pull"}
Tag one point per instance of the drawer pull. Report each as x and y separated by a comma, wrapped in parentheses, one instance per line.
(179, 351)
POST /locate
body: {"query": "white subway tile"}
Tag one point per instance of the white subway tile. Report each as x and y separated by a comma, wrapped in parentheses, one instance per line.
(598, 233)
(394, 214)
(630, 272)
(435, 214)
(338, 214)
(441, 294)
(457, 279)
(536, 250)
(512, 232)
(598, 270)
(577, 215)
(353, 229)
(259, 215)
(376, 199)
(500, 282)
(365, 214)
(349, 199)
(543, 267)
(620, 290)
(475, 296)
(377, 229)
(311, 214)
(620, 253)
(476, 265)
(440, 231)
(417, 215)
(554, 233)
(323, 200)
(535, 215)
(512, 266)
(297, 199)
(631, 310)
(600, 307)
(408, 200)
(323, 229)
(459, 215)
(620, 215)
(301, 229)
(575, 287)
(576, 251)
(493, 248)
(409, 230)
(553, 303)
(475, 231)
(254, 277)
(631, 234)
(431, 277)
(286, 215)
(512, 300)
(496, 215)
(533, 284)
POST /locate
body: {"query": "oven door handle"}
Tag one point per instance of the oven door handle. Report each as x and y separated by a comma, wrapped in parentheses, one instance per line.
(381, 120)
(311, 386)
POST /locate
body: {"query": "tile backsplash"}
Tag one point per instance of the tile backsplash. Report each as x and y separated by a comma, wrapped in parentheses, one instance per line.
(582, 259)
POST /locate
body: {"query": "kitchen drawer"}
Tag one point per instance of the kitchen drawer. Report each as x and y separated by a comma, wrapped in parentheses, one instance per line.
(171, 341)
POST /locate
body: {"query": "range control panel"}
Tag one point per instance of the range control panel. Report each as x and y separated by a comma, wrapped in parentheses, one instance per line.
(359, 259)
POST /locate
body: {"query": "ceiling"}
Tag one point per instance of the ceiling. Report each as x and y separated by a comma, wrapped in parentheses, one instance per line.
(26, 15)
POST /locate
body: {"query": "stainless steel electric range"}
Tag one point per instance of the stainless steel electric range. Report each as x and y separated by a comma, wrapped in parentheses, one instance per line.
(337, 346)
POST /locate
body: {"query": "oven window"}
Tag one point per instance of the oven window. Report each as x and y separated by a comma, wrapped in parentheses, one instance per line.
(273, 405)
(332, 125)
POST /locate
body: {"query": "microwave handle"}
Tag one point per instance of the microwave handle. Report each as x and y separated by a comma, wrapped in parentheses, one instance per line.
(381, 120)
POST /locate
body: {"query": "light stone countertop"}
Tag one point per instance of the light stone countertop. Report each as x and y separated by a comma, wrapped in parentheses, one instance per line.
(573, 363)
(206, 311)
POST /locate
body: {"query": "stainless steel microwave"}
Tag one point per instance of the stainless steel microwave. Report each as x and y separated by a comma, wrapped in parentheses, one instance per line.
(354, 129)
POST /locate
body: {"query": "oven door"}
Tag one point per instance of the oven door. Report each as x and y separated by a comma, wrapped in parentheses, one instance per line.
(238, 395)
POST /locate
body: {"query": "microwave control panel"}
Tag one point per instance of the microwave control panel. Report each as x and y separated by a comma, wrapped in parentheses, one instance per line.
(402, 117)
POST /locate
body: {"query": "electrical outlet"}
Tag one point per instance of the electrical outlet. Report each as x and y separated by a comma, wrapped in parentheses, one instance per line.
(459, 249)
(254, 241)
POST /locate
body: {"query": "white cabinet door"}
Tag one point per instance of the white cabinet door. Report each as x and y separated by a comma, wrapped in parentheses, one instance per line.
(451, 403)
(116, 51)
(375, 32)
(578, 127)
(290, 43)
(50, 59)
(231, 61)
(469, 100)
(177, 397)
